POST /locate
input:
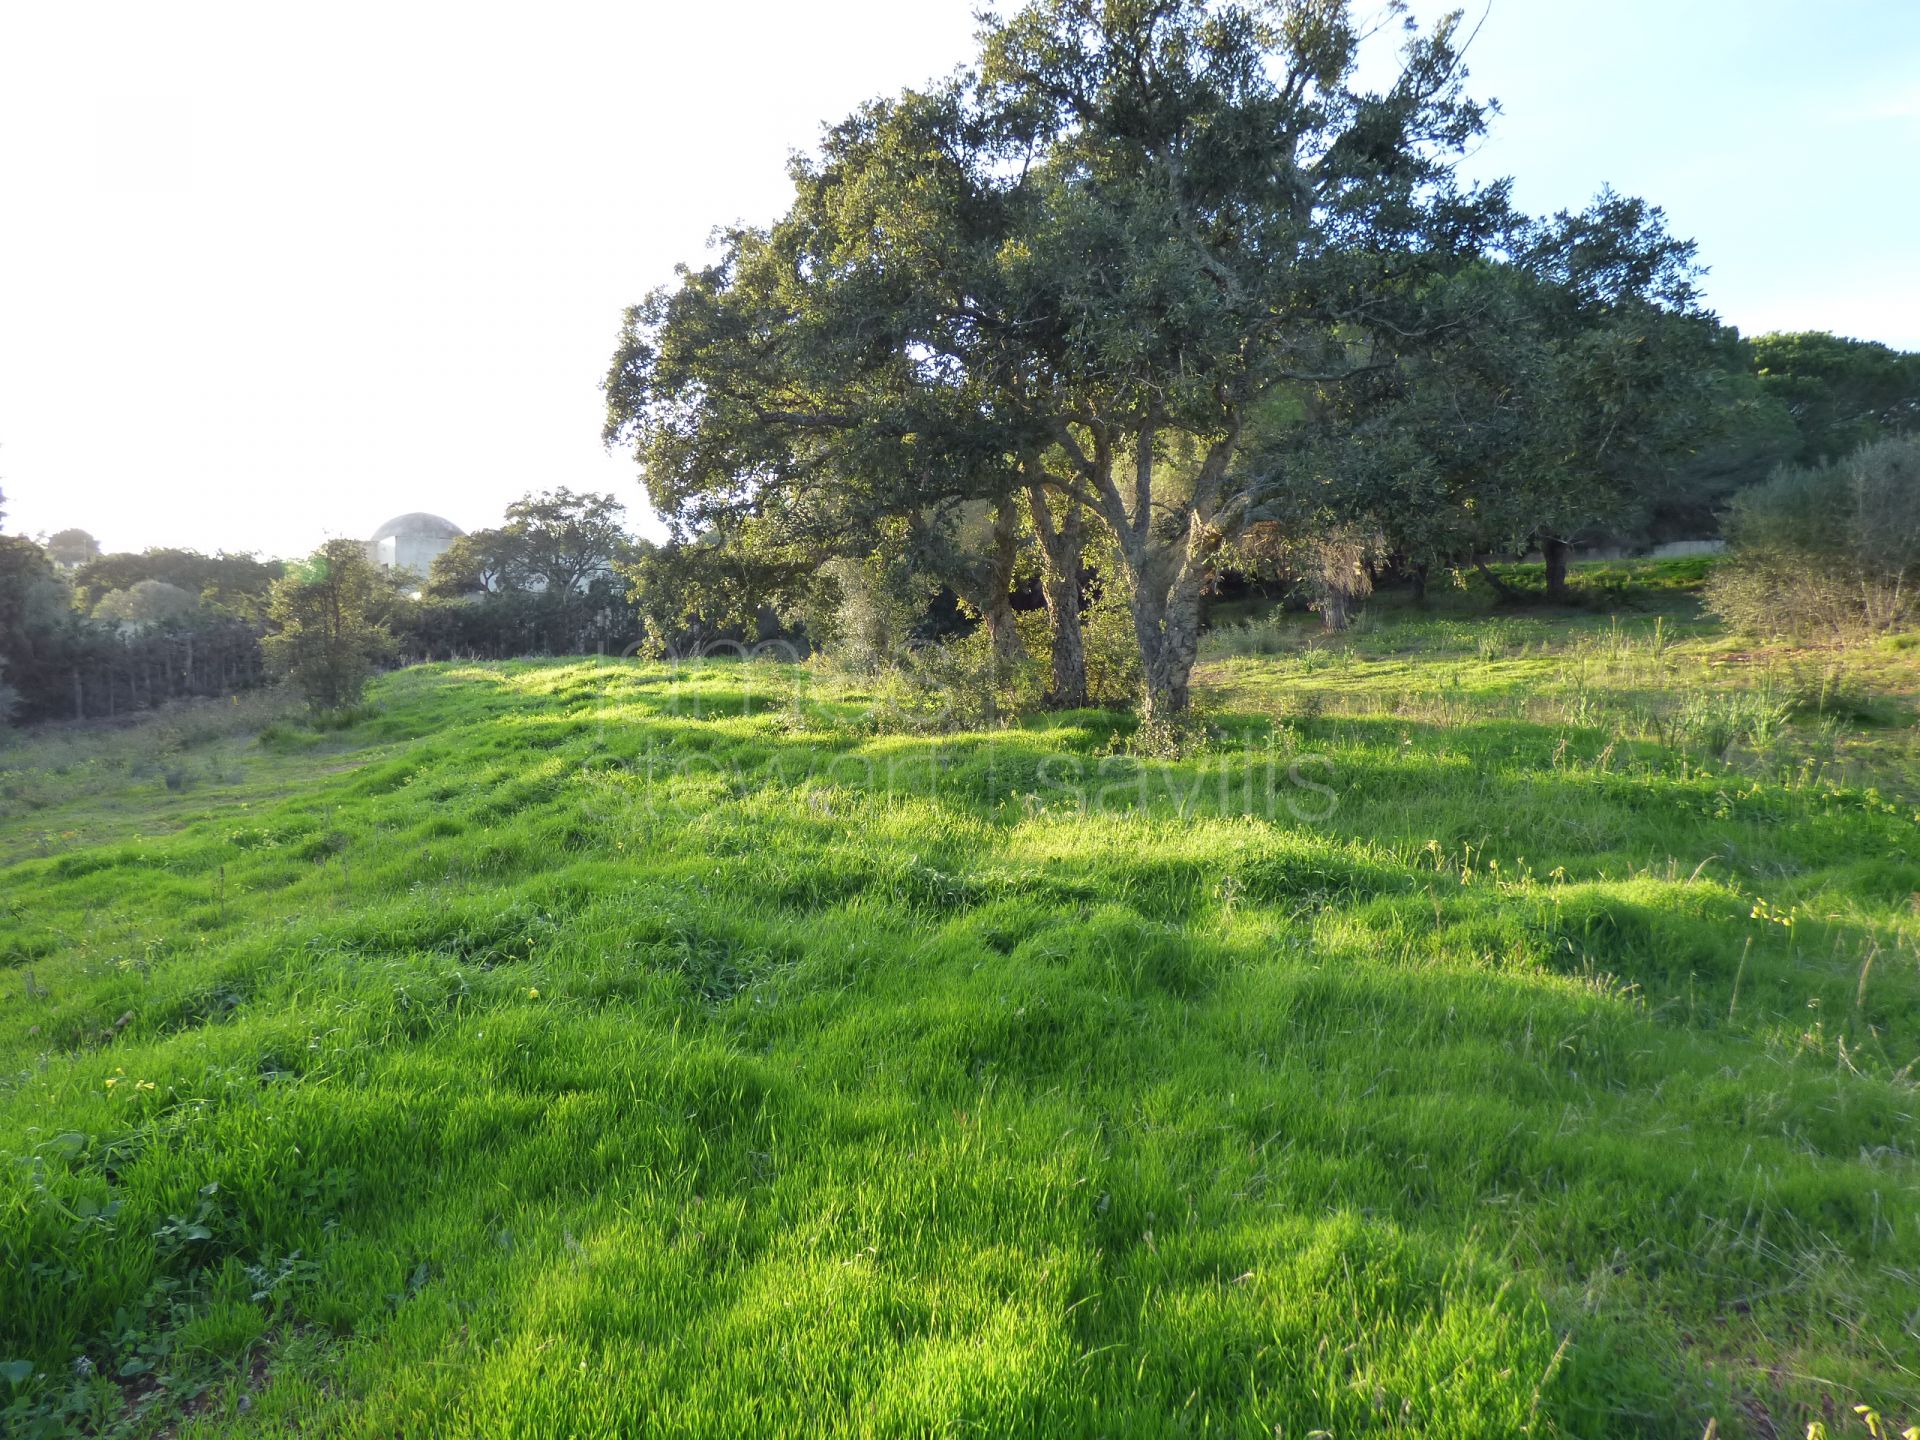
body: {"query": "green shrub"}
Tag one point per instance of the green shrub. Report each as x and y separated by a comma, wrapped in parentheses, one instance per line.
(1267, 636)
(864, 611)
(1827, 552)
(324, 641)
(959, 684)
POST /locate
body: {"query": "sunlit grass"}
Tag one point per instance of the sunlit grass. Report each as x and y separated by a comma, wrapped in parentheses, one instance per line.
(592, 1048)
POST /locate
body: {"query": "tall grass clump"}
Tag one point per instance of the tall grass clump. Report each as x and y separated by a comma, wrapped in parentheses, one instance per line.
(1714, 721)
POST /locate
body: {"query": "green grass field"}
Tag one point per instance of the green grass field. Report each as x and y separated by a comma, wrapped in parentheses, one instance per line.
(1503, 1026)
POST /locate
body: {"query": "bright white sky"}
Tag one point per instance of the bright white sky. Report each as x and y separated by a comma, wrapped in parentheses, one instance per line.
(273, 272)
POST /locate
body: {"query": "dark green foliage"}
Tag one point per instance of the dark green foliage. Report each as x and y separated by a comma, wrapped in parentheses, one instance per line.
(598, 620)
(60, 664)
(1572, 390)
(70, 548)
(548, 582)
(1069, 281)
(233, 585)
(1841, 393)
(37, 627)
(689, 595)
(146, 602)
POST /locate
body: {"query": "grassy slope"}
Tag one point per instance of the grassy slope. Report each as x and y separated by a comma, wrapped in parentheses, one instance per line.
(492, 1066)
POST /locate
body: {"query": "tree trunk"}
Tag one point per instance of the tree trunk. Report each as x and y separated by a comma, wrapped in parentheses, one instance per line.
(1500, 587)
(1005, 556)
(1335, 610)
(1556, 553)
(1002, 634)
(1067, 674)
(1167, 646)
(1060, 551)
(1167, 625)
(1167, 582)
(1166, 576)
(986, 583)
(1418, 573)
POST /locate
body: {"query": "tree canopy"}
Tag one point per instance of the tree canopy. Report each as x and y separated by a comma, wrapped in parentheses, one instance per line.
(70, 548)
(1840, 393)
(226, 583)
(1158, 271)
(557, 541)
(146, 602)
(1085, 266)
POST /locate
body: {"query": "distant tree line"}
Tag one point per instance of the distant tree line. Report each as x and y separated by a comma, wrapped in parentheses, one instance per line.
(89, 636)
(552, 580)
(223, 584)
(86, 635)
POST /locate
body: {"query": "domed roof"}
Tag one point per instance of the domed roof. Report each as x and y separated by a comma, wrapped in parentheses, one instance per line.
(418, 522)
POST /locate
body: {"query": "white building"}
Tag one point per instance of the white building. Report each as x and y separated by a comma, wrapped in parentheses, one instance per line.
(412, 542)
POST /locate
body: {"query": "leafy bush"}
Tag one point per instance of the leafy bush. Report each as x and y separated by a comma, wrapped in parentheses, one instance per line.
(1830, 551)
(960, 684)
(1167, 737)
(1335, 566)
(874, 617)
(325, 641)
(864, 612)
